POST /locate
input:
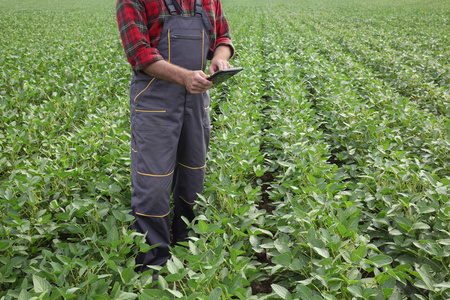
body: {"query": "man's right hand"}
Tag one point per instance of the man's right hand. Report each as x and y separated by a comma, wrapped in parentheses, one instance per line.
(196, 82)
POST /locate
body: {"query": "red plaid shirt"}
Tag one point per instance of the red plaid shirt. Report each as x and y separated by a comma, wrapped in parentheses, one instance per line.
(141, 24)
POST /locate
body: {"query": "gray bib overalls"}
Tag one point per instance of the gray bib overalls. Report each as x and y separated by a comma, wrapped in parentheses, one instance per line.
(169, 137)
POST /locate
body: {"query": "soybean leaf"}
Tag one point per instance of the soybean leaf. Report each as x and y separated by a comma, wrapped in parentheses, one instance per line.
(281, 291)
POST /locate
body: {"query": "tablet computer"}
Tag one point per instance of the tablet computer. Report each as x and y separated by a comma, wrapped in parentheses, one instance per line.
(222, 75)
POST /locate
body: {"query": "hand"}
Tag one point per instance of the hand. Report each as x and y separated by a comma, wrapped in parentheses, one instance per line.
(218, 64)
(196, 82)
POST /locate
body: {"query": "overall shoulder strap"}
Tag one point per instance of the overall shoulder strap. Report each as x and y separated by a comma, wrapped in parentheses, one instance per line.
(178, 6)
(173, 6)
(200, 11)
(198, 7)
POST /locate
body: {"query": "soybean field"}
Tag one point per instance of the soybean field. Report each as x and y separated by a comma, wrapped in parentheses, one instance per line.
(328, 173)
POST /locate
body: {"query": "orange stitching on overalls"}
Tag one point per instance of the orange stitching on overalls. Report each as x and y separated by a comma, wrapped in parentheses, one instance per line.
(143, 90)
(206, 107)
(192, 168)
(203, 47)
(186, 201)
(135, 151)
(168, 38)
(152, 216)
(151, 111)
(153, 175)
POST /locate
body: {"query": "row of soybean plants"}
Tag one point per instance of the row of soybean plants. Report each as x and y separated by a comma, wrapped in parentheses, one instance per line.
(314, 224)
(426, 121)
(64, 154)
(410, 53)
(395, 157)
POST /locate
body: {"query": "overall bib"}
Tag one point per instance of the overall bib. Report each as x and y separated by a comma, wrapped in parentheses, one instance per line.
(170, 131)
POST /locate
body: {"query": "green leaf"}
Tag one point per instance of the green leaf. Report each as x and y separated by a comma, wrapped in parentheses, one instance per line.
(8, 194)
(379, 260)
(112, 265)
(281, 291)
(173, 269)
(283, 259)
(127, 275)
(359, 253)
(424, 272)
(443, 285)
(24, 295)
(286, 229)
(257, 231)
(175, 293)
(420, 225)
(259, 173)
(322, 252)
(297, 265)
(162, 283)
(326, 262)
(102, 186)
(355, 291)
(203, 226)
(41, 285)
(126, 296)
(215, 294)
(281, 247)
(114, 188)
(254, 242)
(303, 292)
(5, 244)
(248, 189)
(143, 247)
(177, 262)
(404, 223)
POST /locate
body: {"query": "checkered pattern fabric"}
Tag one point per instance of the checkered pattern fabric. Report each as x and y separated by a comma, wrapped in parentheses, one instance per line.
(141, 23)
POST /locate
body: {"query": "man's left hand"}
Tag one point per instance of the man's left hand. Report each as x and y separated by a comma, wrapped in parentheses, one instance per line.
(220, 60)
(219, 64)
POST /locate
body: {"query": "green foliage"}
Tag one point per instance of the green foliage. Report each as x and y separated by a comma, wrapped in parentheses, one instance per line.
(328, 171)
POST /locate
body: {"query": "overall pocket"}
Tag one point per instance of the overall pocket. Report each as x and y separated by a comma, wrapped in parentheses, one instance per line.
(186, 48)
(149, 105)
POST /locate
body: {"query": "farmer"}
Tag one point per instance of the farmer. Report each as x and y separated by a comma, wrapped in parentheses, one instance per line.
(167, 44)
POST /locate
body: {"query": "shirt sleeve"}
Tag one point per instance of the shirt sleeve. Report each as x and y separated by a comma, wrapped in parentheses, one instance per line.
(223, 35)
(132, 22)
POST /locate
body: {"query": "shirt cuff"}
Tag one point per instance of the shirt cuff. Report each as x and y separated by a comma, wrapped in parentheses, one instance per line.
(224, 42)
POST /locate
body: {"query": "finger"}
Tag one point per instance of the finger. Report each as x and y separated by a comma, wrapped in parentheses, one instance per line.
(202, 78)
(211, 70)
(214, 68)
(199, 87)
(204, 82)
(203, 75)
(224, 64)
(220, 65)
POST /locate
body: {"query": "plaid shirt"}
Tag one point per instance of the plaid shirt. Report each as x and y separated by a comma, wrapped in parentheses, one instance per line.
(141, 24)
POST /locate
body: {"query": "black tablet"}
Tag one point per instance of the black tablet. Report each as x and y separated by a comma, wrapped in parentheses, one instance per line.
(222, 75)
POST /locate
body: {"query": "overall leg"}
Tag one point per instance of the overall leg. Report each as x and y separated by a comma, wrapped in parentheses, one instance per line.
(154, 141)
(191, 166)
